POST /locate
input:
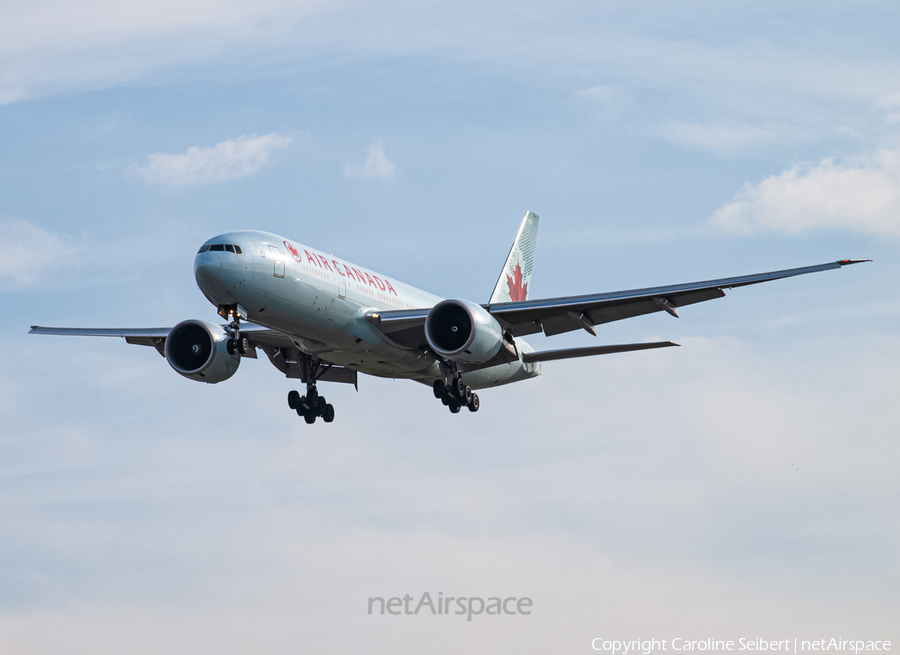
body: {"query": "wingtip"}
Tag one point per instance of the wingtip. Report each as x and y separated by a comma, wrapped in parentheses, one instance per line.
(847, 262)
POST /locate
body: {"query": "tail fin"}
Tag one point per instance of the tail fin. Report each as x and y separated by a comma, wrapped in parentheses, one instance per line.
(516, 274)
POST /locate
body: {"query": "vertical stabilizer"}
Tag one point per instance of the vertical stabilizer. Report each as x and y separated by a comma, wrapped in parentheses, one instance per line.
(516, 275)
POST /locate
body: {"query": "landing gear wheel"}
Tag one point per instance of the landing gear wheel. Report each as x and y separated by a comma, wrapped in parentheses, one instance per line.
(328, 413)
(446, 399)
(455, 407)
(312, 405)
(243, 345)
(438, 388)
(231, 347)
(467, 395)
(459, 388)
(474, 403)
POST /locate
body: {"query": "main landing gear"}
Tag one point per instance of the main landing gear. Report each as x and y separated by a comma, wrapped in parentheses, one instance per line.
(312, 405)
(456, 395)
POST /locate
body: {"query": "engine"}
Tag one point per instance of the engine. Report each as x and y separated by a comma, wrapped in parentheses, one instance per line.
(198, 351)
(463, 331)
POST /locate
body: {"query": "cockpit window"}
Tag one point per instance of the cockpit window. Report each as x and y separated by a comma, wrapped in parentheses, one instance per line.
(221, 247)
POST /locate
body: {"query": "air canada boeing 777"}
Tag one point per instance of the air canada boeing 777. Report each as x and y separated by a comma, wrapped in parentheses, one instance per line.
(320, 318)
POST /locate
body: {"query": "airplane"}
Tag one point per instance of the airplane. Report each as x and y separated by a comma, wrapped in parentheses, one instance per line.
(320, 318)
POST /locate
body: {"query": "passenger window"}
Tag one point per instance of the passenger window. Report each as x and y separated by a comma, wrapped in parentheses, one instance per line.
(218, 247)
(229, 247)
(203, 249)
(238, 251)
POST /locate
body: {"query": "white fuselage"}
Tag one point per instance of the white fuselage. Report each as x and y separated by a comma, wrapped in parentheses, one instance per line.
(321, 301)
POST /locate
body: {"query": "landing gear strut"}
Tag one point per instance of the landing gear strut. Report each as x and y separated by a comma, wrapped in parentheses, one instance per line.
(312, 405)
(456, 395)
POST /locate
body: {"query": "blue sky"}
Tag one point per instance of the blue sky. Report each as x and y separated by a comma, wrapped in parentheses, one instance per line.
(741, 485)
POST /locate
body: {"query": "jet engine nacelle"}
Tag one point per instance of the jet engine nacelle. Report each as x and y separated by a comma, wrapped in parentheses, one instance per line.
(463, 331)
(198, 351)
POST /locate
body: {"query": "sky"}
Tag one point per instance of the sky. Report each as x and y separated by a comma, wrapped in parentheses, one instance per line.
(743, 485)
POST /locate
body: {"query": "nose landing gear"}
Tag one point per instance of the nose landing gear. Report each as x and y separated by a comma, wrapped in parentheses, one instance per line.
(456, 395)
(237, 344)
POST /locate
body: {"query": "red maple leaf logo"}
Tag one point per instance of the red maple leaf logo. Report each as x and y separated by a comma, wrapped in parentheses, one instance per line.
(517, 290)
(293, 251)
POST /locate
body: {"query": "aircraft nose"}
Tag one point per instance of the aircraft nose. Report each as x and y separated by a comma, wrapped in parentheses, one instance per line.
(207, 266)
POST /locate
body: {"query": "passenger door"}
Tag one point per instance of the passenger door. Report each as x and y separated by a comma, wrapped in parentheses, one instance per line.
(278, 260)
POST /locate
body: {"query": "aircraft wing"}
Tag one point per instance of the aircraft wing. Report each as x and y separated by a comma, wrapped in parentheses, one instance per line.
(127, 333)
(557, 315)
(156, 337)
(278, 346)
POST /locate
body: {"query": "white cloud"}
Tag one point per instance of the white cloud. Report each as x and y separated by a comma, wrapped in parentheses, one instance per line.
(377, 165)
(721, 139)
(22, 247)
(862, 198)
(227, 160)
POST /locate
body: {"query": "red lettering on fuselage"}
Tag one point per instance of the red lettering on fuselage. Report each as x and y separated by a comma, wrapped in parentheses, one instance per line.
(324, 262)
(353, 273)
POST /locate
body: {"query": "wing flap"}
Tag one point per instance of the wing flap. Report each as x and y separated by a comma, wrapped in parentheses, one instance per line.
(638, 307)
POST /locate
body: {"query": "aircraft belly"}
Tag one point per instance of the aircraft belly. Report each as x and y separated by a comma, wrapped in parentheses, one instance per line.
(381, 365)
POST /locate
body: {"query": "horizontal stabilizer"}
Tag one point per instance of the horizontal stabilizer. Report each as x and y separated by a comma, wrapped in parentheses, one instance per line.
(569, 353)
